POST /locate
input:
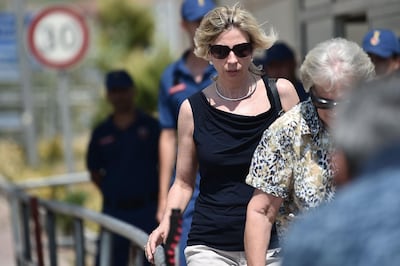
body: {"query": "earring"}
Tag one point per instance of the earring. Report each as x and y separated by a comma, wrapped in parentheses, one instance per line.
(210, 62)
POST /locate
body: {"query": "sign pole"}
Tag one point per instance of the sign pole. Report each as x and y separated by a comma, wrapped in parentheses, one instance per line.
(63, 103)
(58, 37)
(27, 97)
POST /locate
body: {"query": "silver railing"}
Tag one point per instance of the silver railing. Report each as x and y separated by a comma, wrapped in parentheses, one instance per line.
(33, 219)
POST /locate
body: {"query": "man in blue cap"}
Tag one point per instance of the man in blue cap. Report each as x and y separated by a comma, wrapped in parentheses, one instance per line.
(182, 78)
(122, 159)
(279, 61)
(383, 48)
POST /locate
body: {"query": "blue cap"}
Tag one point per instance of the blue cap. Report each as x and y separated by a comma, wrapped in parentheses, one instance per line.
(192, 10)
(381, 42)
(399, 48)
(118, 79)
(277, 52)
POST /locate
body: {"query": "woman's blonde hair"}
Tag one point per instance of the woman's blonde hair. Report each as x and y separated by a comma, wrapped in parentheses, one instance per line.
(224, 18)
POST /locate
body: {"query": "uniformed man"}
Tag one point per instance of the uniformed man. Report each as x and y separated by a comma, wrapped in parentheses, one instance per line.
(122, 159)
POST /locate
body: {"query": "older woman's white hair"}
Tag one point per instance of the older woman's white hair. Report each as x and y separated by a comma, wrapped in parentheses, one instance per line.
(336, 61)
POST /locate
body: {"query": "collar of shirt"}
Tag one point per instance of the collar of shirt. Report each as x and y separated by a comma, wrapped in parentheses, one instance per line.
(311, 124)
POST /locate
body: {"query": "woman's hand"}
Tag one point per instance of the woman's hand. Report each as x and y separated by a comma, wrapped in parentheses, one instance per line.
(157, 237)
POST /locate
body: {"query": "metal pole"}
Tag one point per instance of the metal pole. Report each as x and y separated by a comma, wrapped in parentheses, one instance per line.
(16, 227)
(79, 240)
(51, 235)
(27, 255)
(63, 103)
(37, 230)
(25, 74)
(105, 247)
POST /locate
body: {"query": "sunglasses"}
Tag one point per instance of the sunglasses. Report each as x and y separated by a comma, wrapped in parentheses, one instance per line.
(322, 103)
(222, 51)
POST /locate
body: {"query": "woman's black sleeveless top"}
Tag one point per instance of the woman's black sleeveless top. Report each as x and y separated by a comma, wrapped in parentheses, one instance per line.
(225, 143)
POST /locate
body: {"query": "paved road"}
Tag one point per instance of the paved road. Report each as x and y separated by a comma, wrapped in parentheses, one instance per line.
(7, 248)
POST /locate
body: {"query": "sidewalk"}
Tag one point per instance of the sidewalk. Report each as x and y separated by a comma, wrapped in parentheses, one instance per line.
(6, 240)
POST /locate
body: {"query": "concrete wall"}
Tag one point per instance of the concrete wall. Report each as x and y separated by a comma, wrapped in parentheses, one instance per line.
(300, 23)
(322, 19)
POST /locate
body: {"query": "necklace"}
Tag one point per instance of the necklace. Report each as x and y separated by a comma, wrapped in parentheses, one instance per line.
(249, 93)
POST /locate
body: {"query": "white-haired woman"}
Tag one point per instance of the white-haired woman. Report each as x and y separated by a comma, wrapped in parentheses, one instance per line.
(292, 167)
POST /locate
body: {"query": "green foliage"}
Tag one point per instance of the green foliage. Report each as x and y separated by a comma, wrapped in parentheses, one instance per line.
(123, 27)
(125, 42)
(51, 150)
(147, 70)
(12, 159)
(76, 197)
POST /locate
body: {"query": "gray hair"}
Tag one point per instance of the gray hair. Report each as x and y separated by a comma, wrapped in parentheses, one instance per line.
(369, 122)
(223, 18)
(336, 61)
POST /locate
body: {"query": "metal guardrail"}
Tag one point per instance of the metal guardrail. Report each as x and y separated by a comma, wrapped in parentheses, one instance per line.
(56, 180)
(27, 211)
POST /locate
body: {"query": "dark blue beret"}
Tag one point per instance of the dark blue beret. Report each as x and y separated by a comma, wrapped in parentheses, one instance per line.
(118, 79)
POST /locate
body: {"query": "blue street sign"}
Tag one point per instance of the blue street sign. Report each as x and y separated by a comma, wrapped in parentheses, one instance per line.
(9, 71)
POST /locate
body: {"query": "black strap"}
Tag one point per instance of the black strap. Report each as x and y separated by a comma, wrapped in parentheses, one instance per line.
(277, 100)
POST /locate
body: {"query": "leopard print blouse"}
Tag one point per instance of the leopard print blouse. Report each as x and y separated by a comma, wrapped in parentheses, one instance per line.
(293, 161)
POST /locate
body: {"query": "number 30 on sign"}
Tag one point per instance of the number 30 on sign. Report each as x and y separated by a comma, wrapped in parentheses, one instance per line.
(58, 37)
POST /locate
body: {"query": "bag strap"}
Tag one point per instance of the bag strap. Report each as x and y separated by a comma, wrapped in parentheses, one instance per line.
(277, 100)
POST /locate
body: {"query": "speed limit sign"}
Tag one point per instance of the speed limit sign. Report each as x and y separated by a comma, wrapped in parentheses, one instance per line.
(58, 37)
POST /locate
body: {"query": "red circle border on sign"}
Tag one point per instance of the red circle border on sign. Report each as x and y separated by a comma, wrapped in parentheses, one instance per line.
(79, 18)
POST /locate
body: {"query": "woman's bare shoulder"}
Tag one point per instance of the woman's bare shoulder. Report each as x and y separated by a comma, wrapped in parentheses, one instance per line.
(287, 93)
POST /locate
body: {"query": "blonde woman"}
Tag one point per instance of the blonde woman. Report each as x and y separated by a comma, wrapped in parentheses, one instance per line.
(218, 130)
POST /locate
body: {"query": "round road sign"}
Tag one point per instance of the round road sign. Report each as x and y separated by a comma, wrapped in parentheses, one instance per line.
(58, 37)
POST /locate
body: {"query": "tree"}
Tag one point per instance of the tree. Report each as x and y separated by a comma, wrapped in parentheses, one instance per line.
(125, 40)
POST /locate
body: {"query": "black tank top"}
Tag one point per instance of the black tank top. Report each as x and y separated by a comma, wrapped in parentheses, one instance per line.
(225, 144)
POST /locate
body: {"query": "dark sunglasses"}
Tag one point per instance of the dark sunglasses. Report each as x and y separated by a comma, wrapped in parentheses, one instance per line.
(322, 103)
(222, 51)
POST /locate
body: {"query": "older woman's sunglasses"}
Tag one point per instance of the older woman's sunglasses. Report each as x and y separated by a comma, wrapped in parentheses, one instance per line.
(322, 103)
(222, 51)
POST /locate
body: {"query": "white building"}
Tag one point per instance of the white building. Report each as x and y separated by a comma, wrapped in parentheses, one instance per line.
(301, 23)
